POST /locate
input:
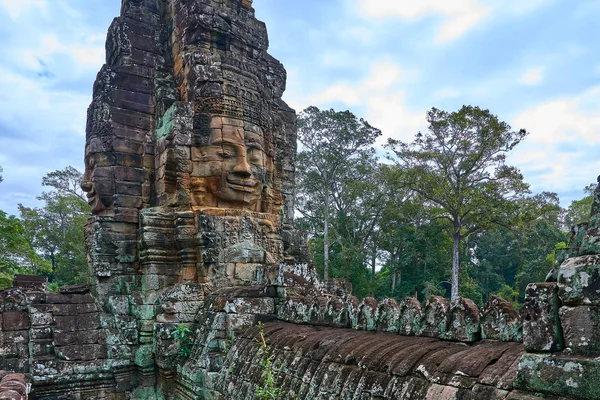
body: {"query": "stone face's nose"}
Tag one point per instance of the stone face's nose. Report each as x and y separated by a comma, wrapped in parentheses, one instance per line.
(86, 186)
(242, 168)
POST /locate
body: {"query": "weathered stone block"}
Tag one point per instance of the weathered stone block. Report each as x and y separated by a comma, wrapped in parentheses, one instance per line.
(66, 323)
(41, 333)
(41, 318)
(388, 315)
(250, 306)
(8, 350)
(500, 321)
(365, 318)
(557, 375)
(581, 327)
(62, 309)
(464, 321)
(80, 352)
(41, 347)
(15, 321)
(579, 281)
(336, 313)
(410, 319)
(144, 356)
(436, 317)
(542, 330)
(79, 337)
(119, 305)
(236, 322)
(87, 322)
(318, 308)
(294, 309)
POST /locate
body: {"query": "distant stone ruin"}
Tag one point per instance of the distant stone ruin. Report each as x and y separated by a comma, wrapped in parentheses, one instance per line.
(190, 158)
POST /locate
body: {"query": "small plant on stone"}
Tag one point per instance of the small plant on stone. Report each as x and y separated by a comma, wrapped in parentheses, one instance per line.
(268, 389)
(183, 337)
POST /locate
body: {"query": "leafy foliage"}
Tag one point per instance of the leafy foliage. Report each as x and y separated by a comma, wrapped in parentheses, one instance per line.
(269, 388)
(182, 334)
(336, 157)
(16, 254)
(579, 211)
(65, 182)
(56, 230)
(458, 166)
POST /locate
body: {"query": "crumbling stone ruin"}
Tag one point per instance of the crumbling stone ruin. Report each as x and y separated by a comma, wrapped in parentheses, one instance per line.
(190, 157)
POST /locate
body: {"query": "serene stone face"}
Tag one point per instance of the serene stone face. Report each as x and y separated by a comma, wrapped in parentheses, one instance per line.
(234, 169)
(98, 181)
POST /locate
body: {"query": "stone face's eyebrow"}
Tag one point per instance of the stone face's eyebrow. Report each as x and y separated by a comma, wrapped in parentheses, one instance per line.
(221, 141)
(255, 145)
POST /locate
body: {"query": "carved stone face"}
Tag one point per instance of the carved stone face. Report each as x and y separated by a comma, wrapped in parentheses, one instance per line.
(98, 180)
(235, 165)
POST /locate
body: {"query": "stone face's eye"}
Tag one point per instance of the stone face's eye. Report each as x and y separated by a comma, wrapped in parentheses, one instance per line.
(225, 154)
(255, 156)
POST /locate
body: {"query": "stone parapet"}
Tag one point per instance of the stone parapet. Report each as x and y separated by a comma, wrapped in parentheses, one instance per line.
(341, 363)
(461, 321)
(14, 386)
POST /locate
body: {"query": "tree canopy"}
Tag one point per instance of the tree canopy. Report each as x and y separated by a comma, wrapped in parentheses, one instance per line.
(336, 155)
(459, 167)
(56, 230)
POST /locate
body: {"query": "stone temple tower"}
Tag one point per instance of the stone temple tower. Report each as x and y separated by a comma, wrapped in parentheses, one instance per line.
(190, 154)
(190, 148)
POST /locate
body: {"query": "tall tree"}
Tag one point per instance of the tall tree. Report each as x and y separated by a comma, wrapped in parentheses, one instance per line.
(66, 182)
(55, 230)
(333, 146)
(16, 254)
(579, 211)
(459, 166)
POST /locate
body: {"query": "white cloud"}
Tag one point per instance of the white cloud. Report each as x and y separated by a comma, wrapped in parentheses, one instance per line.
(532, 77)
(382, 98)
(16, 8)
(459, 15)
(564, 120)
(561, 150)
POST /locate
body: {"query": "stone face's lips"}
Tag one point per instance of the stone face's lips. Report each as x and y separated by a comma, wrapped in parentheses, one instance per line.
(242, 185)
(91, 195)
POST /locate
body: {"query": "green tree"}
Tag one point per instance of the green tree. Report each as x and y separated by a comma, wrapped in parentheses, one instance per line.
(459, 167)
(353, 227)
(16, 254)
(1, 170)
(580, 210)
(65, 182)
(334, 145)
(56, 230)
(519, 253)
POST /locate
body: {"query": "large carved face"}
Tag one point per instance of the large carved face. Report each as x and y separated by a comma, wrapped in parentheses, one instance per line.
(98, 180)
(235, 166)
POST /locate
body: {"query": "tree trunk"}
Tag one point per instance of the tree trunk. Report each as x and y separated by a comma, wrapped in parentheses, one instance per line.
(326, 241)
(373, 263)
(394, 272)
(455, 264)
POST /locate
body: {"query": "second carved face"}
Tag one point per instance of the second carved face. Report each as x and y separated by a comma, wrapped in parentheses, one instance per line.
(234, 169)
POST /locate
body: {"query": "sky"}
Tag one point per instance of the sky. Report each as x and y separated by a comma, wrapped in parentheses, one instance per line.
(535, 64)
